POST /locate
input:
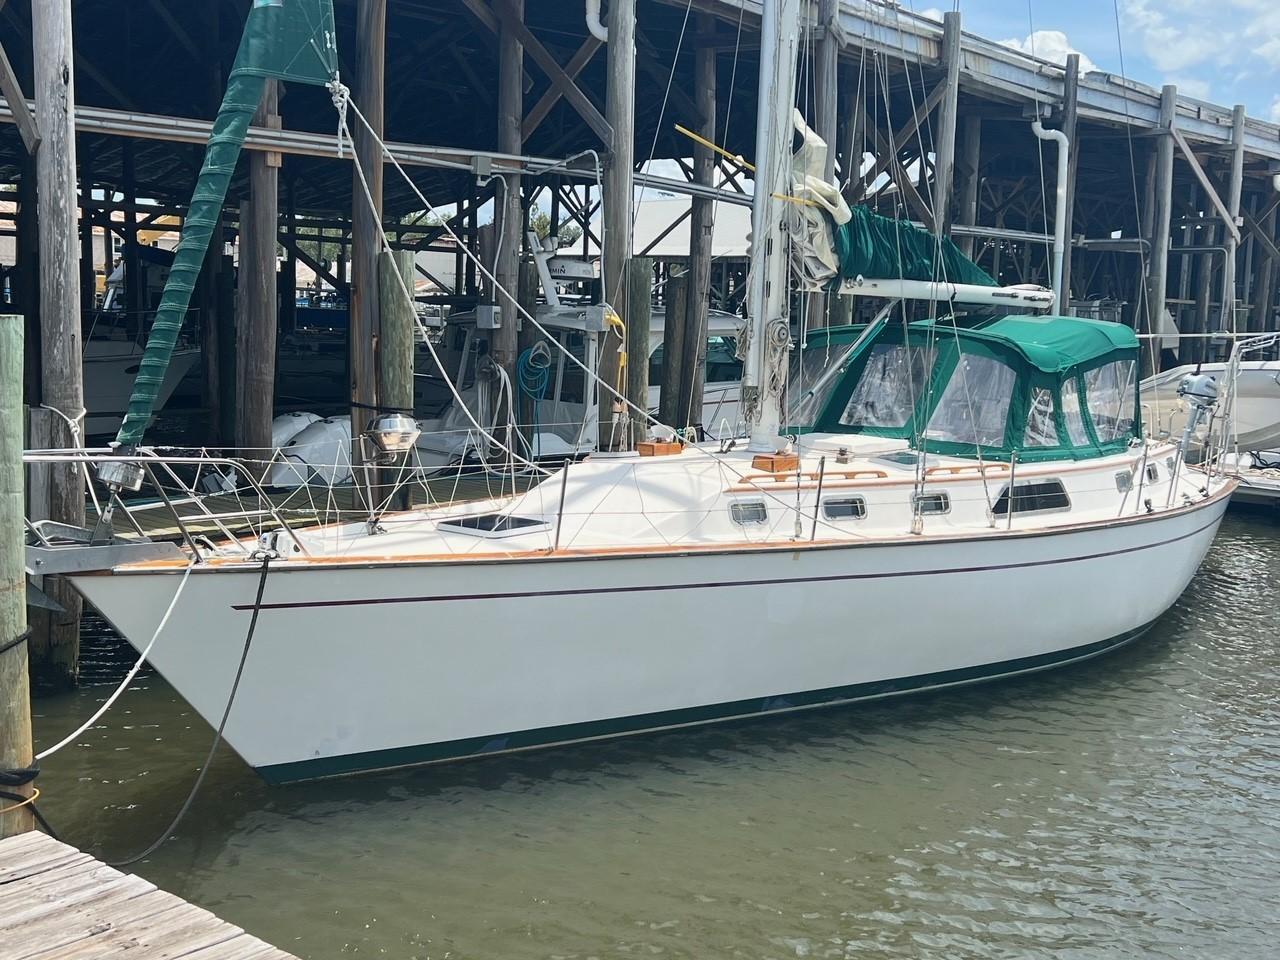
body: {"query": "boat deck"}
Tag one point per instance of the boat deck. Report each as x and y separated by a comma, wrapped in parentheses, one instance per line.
(301, 507)
(56, 901)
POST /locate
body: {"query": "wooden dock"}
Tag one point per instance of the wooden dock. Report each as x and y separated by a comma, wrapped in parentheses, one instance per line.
(57, 903)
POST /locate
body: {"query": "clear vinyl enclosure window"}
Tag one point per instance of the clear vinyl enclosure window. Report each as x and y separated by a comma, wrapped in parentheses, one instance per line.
(894, 377)
(974, 406)
(1042, 430)
(1073, 415)
(1110, 392)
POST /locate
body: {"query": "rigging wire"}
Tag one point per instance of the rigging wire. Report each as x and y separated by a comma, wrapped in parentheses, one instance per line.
(342, 96)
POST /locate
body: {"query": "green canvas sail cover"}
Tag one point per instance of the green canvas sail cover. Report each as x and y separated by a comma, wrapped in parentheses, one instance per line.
(870, 245)
(283, 39)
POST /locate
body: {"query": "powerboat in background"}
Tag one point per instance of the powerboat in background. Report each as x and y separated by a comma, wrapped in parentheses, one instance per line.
(1257, 401)
(558, 397)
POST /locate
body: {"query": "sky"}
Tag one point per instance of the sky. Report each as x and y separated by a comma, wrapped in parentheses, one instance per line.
(1223, 51)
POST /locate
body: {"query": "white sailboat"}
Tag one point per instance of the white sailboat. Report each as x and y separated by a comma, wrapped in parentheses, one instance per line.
(961, 503)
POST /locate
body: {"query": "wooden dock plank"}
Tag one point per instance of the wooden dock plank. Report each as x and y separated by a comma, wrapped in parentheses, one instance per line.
(243, 947)
(178, 932)
(54, 885)
(77, 915)
(57, 903)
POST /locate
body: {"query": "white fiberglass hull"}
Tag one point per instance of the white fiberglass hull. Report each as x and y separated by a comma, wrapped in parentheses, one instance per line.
(373, 665)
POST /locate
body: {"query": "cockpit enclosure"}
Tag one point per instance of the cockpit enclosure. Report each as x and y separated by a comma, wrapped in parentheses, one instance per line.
(1043, 388)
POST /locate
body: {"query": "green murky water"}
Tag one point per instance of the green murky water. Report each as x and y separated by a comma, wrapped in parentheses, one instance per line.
(1127, 807)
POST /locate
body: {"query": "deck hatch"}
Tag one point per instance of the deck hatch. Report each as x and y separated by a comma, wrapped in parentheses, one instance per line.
(1034, 496)
(493, 526)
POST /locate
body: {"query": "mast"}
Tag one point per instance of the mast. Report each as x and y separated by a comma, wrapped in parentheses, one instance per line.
(768, 294)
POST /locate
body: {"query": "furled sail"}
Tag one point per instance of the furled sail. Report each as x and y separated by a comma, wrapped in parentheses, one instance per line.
(832, 242)
(870, 245)
(283, 39)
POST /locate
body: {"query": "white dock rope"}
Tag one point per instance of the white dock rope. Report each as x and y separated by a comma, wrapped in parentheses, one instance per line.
(124, 684)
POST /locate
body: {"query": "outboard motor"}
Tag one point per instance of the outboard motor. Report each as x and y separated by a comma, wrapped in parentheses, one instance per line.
(1201, 392)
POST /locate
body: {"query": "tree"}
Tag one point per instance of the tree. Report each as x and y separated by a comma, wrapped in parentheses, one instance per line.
(540, 223)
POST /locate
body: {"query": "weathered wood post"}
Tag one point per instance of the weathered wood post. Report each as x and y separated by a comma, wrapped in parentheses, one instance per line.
(701, 222)
(676, 298)
(395, 346)
(366, 223)
(1264, 286)
(1157, 273)
(970, 176)
(259, 319)
(1070, 126)
(15, 698)
(826, 79)
(60, 335)
(945, 148)
(507, 208)
(1204, 283)
(620, 111)
(639, 315)
(1234, 191)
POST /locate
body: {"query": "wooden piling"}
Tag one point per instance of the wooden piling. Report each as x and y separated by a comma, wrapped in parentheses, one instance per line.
(61, 343)
(1264, 286)
(1162, 195)
(258, 318)
(395, 346)
(638, 317)
(508, 214)
(676, 299)
(1071, 127)
(15, 702)
(620, 110)
(945, 145)
(701, 223)
(1234, 191)
(366, 223)
(1203, 293)
(969, 173)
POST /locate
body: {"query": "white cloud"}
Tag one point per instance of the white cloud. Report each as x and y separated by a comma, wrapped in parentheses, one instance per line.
(1177, 34)
(1275, 109)
(1192, 87)
(1051, 45)
(932, 13)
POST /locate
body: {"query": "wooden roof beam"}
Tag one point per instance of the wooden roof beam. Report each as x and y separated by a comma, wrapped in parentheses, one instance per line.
(22, 114)
(1209, 189)
(533, 119)
(546, 63)
(885, 160)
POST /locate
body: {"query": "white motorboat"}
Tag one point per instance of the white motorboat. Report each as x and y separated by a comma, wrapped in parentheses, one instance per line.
(960, 502)
(109, 370)
(1257, 401)
(563, 422)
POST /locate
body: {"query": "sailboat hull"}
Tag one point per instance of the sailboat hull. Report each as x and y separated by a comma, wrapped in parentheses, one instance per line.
(371, 666)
